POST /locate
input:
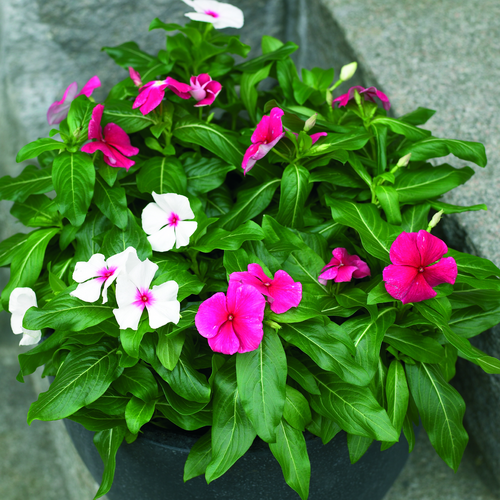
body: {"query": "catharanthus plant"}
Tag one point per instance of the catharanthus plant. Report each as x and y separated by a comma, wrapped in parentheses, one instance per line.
(178, 292)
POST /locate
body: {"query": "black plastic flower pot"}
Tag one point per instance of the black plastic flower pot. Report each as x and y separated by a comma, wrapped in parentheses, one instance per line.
(152, 467)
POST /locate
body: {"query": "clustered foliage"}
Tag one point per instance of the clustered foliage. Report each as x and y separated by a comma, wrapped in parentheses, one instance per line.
(349, 357)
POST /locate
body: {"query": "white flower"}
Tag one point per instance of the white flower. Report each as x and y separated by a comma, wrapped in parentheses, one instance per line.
(133, 295)
(221, 15)
(165, 221)
(97, 271)
(21, 299)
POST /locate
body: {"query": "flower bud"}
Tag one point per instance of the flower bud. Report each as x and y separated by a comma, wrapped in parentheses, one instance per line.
(310, 122)
(403, 161)
(435, 220)
(347, 71)
(329, 98)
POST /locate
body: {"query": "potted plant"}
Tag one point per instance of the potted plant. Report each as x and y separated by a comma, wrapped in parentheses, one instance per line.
(252, 263)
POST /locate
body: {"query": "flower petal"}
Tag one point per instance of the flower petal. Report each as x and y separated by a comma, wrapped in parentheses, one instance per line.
(211, 315)
(153, 218)
(444, 271)
(329, 274)
(125, 291)
(95, 131)
(399, 279)
(341, 255)
(135, 76)
(430, 247)
(226, 340)
(213, 89)
(115, 159)
(345, 273)
(20, 300)
(165, 308)
(178, 88)
(315, 137)
(285, 292)
(58, 110)
(419, 290)
(275, 125)
(88, 291)
(116, 137)
(90, 86)
(151, 99)
(87, 270)
(142, 275)
(31, 337)
(249, 158)
(183, 231)
(163, 240)
(128, 316)
(404, 251)
(261, 131)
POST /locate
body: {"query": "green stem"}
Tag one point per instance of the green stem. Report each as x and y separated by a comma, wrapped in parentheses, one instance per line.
(200, 113)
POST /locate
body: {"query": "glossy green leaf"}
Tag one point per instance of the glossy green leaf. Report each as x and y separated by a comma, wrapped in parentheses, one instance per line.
(205, 174)
(95, 420)
(32, 180)
(199, 457)
(35, 148)
(131, 339)
(161, 174)
(112, 202)
(299, 372)
(296, 410)
(334, 142)
(472, 321)
(192, 422)
(138, 413)
(402, 128)
(295, 189)
(414, 344)
(277, 55)
(248, 88)
(139, 381)
(79, 116)
(418, 117)
(122, 114)
(358, 446)
(389, 200)
(229, 240)
(397, 394)
(169, 349)
(38, 210)
(379, 295)
(477, 266)
(323, 427)
(455, 209)
(129, 54)
(10, 247)
(416, 217)
(178, 403)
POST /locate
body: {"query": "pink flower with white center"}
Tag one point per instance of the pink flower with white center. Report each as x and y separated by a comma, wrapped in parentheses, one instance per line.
(95, 273)
(58, 110)
(166, 221)
(135, 76)
(114, 143)
(151, 94)
(21, 299)
(282, 292)
(267, 134)
(204, 89)
(417, 267)
(232, 323)
(343, 267)
(369, 94)
(221, 15)
(314, 137)
(133, 295)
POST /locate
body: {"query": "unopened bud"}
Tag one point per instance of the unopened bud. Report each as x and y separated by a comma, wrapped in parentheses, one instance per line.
(329, 98)
(310, 122)
(435, 220)
(347, 71)
(272, 324)
(403, 161)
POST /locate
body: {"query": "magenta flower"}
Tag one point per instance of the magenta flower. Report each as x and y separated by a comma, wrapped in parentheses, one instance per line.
(268, 132)
(58, 110)
(282, 292)
(314, 137)
(204, 89)
(151, 94)
(135, 76)
(115, 144)
(411, 277)
(233, 323)
(343, 267)
(369, 93)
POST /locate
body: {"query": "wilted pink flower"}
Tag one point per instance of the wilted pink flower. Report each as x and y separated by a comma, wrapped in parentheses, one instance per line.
(233, 323)
(314, 137)
(115, 144)
(151, 94)
(369, 93)
(282, 292)
(268, 132)
(412, 278)
(204, 89)
(135, 76)
(343, 267)
(58, 110)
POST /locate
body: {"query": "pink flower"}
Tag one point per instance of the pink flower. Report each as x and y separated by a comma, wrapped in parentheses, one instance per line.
(115, 144)
(343, 267)
(204, 89)
(369, 93)
(58, 110)
(151, 94)
(412, 278)
(135, 76)
(314, 137)
(268, 132)
(282, 292)
(233, 323)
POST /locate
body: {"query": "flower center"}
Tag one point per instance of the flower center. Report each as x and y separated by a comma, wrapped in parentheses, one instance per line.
(420, 269)
(105, 273)
(212, 13)
(173, 220)
(267, 284)
(230, 317)
(143, 298)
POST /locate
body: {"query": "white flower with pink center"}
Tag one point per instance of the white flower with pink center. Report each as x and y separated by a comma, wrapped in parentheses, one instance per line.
(133, 295)
(166, 221)
(221, 15)
(95, 273)
(21, 299)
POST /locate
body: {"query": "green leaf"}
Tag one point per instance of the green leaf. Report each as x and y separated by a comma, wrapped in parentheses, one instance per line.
(323, 427)
(295, 189)
(442, 410)
(415, 345)
(112, 202)
(448, 362)
(359, 168)
(187, 422)
(455, 209)
(376, 234)
(261, 376)
(138, 413)
(188, 284)
(74, 177)
(205, 174)
(313, 338)
(169, 349)
(67, 313)
(358, 446)
(139, 381)
(472, 321)
(291, 452)
(477, 266)
(389, 200)
(32, 180)
(354, 408)
(162, 175)
(129, 54)
(10, 247)
(79, 116)
(107, 443)
(89, 236)
(179, 404)
(333, 142)
(416, 217)
(418, 117)
(95, 420)
(336, 176)
(248, 88)
(218, 140)
(83, 377)
(131, 339)
(301, 91)
(122, 114)
(37, 210)
(379, 295)
(229, 240)
(258, 62)
(111, 403)
(232, 431)
(298, 372)
(397, 394)
(35, 148)
(251, 202)
(158, 24)
(27, 262)
(296, 410)
(434, 148)
(402, 128)
(380, 133)
(428, 182)
(199, 457)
